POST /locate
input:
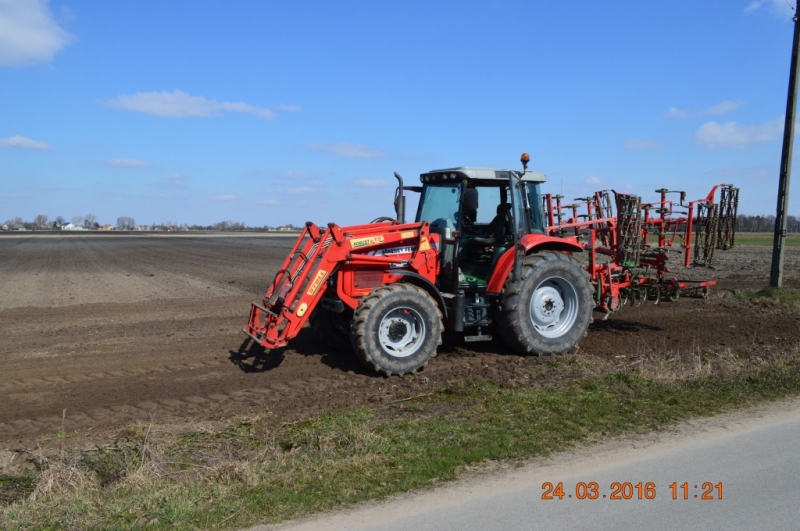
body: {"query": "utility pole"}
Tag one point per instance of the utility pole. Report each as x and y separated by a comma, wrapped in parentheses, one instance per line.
(776, 274)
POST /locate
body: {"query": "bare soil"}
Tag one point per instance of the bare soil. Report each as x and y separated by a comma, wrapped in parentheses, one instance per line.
(101, 331)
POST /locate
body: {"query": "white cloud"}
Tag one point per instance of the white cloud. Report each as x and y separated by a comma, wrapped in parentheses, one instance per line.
(753, 6)
(179, 104)
(722, 108)
(345, 149)
(21, 142)
(593, 180)
(781, 8)
(289, 108)
(714, 110)
(29, 33)
(674, 112)
(733, 135)
(640, 144)
(128, 163)
(246, 108)
(225, 197)
(370, 182)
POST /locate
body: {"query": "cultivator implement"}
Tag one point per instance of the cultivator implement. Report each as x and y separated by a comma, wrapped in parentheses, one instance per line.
(628, 242)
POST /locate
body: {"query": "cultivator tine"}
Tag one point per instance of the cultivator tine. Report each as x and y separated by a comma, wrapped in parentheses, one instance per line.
(705, 237)
(728, 212)
(629, 226)
(602, 205)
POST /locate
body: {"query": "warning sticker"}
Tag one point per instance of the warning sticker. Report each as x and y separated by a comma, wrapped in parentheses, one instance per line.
(317, 282)
(365, 242)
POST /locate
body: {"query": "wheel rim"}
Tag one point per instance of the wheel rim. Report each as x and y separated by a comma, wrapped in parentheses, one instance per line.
(401, 332)
(554, 307)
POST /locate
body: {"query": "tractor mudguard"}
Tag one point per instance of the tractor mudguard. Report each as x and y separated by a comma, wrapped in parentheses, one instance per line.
(424, 283)
(532, 244)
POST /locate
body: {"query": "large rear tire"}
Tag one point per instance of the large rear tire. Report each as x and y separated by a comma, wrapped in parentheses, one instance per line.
(332, 329)
(548, 310)
(396, 329)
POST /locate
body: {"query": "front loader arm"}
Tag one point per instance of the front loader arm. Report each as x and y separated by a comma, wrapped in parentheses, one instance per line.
(297, 287)
(315, 258)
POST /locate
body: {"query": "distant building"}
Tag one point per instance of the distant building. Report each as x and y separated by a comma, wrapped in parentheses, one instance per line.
(71, 226)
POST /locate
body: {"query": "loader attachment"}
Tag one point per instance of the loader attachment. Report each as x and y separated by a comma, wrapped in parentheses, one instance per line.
(297, 286)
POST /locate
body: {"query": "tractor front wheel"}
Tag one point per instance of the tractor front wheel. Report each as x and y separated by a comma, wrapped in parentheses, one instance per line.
(396, 329)
(549, 309)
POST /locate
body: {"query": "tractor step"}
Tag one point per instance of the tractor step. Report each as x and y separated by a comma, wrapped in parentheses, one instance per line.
(479, 337)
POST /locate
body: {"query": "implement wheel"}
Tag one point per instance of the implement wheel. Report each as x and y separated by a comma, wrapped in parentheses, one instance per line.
(396, 329)
(549, 310)
(332, 329)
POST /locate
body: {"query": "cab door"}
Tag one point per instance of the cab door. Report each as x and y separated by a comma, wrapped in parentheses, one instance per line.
(521, 221)
(440, 205)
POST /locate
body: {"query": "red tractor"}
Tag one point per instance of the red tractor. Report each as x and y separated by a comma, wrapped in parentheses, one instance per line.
(486, 252)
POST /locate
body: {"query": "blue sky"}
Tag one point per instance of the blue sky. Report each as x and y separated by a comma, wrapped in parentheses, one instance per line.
(282, 111)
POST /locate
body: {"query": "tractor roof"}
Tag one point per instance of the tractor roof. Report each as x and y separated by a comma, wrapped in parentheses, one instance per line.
(477, 174)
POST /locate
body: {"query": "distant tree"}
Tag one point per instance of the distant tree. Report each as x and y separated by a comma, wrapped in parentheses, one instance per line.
(228, 225)
(125, 223)
(77, 220)
(16, 223)
(90, 221)
(60, 220)
(40, 221)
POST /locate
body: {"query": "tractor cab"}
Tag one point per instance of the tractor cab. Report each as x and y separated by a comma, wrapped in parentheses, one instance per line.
(479, 214)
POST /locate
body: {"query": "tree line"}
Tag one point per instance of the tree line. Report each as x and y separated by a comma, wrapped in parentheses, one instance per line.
(765, 224)
(89, 222)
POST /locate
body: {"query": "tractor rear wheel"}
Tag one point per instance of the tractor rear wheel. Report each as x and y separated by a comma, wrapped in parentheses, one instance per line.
(396, 329)
(548, 310)
(332, 329)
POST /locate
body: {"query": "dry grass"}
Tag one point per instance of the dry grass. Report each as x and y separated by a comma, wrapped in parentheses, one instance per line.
(63, 479)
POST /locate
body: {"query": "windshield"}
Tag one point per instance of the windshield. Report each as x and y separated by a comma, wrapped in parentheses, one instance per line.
(440, 203)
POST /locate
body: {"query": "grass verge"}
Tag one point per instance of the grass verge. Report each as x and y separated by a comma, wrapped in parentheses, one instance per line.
(765, 238)
(254, 472)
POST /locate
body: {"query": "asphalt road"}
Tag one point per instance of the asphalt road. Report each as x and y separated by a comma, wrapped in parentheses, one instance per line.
(750, 459)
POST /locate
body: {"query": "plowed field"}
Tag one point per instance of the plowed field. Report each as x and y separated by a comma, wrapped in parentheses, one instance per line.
(98, 331)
